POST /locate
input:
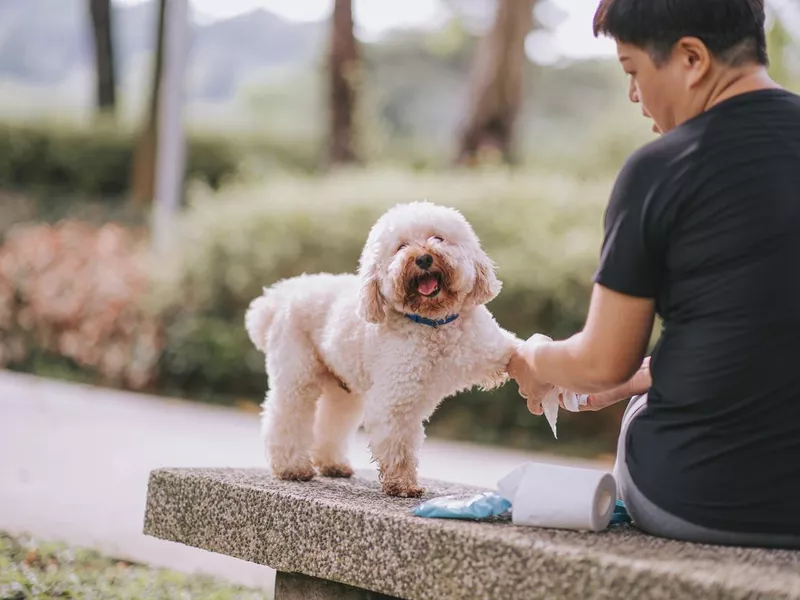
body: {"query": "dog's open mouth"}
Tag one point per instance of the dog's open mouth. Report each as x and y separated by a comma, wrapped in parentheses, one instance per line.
(429, 284)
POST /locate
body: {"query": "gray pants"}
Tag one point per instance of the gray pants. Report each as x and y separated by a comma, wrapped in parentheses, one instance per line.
(654, 520)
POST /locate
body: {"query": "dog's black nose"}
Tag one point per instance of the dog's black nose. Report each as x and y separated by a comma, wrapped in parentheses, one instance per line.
(425, 261)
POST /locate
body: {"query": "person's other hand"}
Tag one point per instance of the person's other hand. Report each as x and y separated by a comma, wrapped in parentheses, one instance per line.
(638, 384)
(521, 370)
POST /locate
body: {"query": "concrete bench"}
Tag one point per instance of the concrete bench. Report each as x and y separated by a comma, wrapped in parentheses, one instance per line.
(343, 539)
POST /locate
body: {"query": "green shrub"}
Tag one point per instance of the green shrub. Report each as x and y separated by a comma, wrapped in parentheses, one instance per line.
(96, 161)
(543, 231)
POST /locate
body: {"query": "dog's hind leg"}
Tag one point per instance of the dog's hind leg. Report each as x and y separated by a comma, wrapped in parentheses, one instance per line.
(287, 431)
(287, 422)
(339, 414)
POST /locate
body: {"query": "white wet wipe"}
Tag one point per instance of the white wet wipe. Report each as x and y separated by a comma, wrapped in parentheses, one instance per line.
(572, 402)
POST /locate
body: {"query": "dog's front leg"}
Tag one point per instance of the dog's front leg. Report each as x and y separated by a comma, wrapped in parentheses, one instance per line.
(492, 372)
(394, 425)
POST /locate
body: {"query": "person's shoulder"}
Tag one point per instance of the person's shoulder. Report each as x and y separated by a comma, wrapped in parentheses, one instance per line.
(649, 176)
(769, 98)
(741, 114)
(783, 95)
(650, 161)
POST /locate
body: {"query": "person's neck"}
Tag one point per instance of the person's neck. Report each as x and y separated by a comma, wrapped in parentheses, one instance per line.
(750, 79)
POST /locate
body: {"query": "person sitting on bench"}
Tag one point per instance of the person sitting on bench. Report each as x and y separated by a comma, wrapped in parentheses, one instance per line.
(703, 230)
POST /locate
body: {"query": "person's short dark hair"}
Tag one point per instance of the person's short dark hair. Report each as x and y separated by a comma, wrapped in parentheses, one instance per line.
(732, 30)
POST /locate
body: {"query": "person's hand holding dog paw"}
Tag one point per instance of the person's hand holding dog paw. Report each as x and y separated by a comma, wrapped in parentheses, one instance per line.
(522, 369)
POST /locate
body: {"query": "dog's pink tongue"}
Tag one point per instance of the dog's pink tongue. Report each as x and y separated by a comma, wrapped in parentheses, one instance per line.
(427, 285)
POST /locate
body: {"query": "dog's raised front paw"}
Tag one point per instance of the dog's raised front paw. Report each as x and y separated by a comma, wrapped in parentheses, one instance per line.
(336, 470)
(494, 381)
(401, 490)
(304, 473)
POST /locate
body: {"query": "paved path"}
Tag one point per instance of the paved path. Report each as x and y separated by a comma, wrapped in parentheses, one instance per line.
(74, 463)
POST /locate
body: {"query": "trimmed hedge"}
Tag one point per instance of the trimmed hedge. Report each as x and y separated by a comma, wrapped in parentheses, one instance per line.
(543, 231)
(96, 161)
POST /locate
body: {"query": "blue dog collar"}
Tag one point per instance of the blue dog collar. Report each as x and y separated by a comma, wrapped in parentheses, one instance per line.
(431, 322)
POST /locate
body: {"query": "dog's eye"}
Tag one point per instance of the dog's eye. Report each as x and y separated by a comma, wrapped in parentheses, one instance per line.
(437, 238)
(401, 246)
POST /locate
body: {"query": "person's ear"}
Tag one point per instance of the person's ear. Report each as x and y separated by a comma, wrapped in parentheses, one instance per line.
(695, 59)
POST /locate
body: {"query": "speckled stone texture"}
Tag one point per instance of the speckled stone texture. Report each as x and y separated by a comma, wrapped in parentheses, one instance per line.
(294, 586)
(348, 531)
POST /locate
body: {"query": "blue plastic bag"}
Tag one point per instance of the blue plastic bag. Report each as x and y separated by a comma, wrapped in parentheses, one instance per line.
(474, 507)
(620, 514)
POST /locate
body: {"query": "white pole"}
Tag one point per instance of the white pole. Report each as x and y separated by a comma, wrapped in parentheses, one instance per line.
(171, 148)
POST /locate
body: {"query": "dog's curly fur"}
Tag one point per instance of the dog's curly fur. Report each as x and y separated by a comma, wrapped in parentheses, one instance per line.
(340, 350)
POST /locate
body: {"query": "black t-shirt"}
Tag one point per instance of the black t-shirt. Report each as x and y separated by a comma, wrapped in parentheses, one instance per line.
(706, 220)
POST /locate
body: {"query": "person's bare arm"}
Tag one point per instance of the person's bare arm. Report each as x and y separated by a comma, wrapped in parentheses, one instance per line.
(638, 384)
(605, 355)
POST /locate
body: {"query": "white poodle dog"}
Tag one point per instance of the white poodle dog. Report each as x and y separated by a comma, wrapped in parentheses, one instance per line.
(382, 348)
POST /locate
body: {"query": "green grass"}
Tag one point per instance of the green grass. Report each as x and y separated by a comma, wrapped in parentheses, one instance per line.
(32, 569)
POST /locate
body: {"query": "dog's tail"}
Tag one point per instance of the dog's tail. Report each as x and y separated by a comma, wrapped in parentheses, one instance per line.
(258, 318)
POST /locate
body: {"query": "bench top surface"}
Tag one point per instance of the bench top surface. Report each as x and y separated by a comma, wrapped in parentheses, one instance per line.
(348, 531)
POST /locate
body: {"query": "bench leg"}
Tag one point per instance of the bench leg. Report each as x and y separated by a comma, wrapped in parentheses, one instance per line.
(294, 586)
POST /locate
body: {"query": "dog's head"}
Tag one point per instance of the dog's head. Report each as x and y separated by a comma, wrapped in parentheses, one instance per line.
(424, 259)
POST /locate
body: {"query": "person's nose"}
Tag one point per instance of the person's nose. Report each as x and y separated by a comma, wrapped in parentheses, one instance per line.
(633, 93)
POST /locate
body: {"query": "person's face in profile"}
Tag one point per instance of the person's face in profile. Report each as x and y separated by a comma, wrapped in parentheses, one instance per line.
(666, 89)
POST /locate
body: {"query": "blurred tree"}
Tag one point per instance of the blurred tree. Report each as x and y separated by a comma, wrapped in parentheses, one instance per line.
(497, 83)
(144, 158)
(100, 11)
(344, 73)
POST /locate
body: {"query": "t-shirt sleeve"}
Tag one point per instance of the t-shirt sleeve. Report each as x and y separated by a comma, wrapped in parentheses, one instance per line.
(628, 261)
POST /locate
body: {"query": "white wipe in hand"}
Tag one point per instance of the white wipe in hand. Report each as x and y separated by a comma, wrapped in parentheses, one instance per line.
(572, 402)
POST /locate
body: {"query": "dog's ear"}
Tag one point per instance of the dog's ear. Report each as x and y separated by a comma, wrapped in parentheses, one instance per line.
(487, 286)
(371, 305)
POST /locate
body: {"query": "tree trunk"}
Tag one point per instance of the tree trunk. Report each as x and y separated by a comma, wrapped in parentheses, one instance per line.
(104, 56)
(343, 69)
(144, 159)
(496, 84)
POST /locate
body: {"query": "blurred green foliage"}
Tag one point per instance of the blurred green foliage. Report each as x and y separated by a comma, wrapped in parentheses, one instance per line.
(38, 570)
(95, 162)
(784, 54)
(543, 231)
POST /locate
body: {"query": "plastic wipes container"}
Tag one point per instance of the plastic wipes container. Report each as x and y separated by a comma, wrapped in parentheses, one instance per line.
(474, 507)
